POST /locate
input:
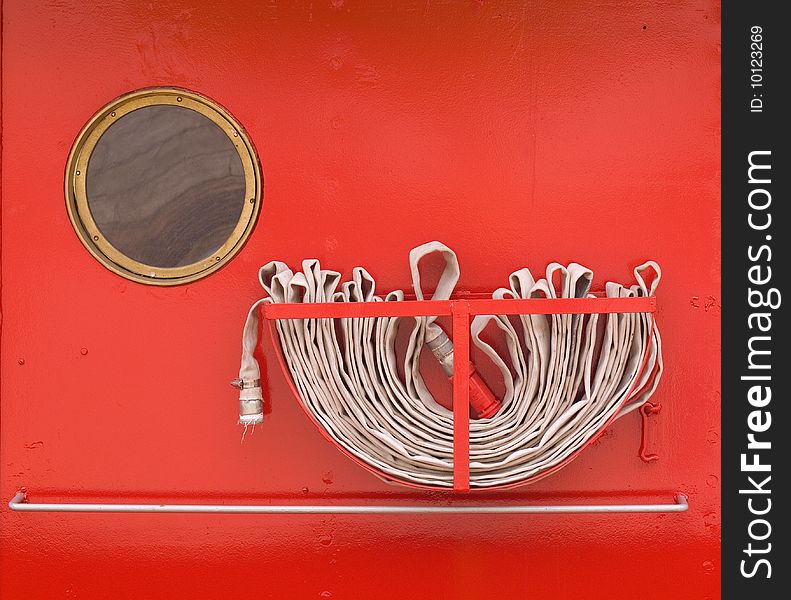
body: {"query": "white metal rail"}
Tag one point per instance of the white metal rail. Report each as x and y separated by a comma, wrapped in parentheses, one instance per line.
(20, 503)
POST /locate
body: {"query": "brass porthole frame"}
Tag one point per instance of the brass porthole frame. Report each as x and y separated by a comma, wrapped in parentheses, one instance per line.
(77, 199)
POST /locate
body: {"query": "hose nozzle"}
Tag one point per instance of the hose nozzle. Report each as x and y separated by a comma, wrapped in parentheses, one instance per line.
(251, 401)
(483, 404)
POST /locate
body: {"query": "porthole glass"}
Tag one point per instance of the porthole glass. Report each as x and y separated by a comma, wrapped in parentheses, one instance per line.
(163, 186)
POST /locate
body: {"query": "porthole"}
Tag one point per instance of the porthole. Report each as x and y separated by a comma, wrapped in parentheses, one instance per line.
(163, 186)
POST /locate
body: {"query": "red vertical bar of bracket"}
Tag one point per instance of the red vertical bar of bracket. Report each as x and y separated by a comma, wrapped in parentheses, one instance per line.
(460, 310)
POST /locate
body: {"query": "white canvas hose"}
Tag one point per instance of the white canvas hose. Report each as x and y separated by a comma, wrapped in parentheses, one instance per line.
(565, 376)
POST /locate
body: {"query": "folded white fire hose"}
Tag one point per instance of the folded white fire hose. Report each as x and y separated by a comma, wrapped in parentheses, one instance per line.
(565, 376)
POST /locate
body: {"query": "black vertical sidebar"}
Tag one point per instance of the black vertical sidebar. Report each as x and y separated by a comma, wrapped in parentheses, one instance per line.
(756, 426)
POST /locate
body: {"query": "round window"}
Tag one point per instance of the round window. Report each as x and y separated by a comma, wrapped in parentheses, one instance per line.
(163, 186)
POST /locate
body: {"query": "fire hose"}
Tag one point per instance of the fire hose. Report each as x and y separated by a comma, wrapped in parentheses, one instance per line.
(565, 376)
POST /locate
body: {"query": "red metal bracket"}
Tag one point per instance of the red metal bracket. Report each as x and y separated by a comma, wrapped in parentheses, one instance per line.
(460, 310)
(646, 410)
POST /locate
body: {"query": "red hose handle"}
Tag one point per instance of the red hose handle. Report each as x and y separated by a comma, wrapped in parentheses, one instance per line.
(483, 404)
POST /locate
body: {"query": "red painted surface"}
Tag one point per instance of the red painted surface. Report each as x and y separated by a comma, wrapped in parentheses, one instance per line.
(516, 133)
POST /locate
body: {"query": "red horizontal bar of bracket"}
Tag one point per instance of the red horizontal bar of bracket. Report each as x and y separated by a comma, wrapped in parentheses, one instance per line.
(440, 308)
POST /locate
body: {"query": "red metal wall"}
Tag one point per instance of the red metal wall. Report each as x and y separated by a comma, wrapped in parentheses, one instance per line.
(516, 132)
